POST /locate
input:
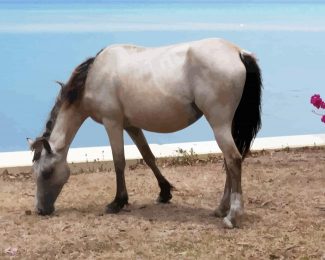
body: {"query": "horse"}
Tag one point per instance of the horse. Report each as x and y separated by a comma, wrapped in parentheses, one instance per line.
(161, 89)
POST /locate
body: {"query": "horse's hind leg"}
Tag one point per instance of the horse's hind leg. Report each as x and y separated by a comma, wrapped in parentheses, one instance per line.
(232, 198)
(139, 139)
(224, 205)
(233, 161)
(115, 133)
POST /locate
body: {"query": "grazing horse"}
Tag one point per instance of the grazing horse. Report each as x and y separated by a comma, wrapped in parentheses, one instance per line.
(165, 89)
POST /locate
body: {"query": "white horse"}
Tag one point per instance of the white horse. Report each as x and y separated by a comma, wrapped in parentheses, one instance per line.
(163, 90)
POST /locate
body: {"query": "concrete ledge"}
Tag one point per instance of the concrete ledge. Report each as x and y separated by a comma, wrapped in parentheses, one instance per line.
(103, 153)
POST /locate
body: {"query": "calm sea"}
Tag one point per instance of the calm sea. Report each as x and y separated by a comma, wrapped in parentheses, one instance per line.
(41, 42)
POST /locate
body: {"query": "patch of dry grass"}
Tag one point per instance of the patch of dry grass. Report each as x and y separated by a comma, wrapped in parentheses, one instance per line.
(284, 201)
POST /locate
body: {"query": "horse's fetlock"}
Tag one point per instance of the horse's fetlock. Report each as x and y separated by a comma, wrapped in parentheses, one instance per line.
(123, 200)
(165, 186)
(165, 192)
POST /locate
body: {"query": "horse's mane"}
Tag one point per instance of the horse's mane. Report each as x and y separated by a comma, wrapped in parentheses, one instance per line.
(70, 93)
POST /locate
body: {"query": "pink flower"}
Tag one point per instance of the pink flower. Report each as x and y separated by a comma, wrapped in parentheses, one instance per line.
(317, 101)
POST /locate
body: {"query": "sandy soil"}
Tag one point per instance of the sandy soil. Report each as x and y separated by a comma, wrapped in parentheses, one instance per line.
(284, 201)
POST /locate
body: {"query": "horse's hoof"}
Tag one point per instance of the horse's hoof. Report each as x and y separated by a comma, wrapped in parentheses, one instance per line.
(227, 223)
(165, 192)
(164, 198)
(115, 207)
(220, 213)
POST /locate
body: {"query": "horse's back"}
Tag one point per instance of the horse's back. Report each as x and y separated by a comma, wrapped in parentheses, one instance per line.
(155, 88)
(124, 54)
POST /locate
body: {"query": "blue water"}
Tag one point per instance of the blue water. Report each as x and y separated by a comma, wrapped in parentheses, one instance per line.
(41, 42)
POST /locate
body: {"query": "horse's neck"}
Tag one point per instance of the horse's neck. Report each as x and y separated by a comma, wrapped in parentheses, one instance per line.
(66, 126)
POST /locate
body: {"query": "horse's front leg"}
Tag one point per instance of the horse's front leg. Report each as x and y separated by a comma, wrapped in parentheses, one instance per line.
(141, 142)
(115, 133)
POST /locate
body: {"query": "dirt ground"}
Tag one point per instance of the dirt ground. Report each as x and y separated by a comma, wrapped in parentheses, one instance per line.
(284, 217)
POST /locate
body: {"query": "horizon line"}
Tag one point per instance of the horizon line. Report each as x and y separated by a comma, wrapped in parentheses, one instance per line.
(125, 27)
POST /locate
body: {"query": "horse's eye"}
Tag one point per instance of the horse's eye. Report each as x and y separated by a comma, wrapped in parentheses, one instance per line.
(47, 174)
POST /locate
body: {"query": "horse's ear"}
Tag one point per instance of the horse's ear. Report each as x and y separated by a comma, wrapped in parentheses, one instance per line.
(30, 142)
(60, 83)
(37, 147)
(47, 146)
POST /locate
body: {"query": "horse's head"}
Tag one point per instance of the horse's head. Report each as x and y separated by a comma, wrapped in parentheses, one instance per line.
(52, 172)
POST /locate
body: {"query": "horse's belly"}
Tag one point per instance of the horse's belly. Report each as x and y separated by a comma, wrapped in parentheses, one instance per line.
(162, 118)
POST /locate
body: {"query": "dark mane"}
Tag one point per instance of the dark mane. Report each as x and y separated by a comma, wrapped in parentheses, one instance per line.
(70, 93)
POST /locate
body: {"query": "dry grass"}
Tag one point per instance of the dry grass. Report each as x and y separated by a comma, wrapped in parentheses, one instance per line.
(284, 202)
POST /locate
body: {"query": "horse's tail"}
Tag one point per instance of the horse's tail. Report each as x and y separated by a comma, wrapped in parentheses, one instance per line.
(247, 119)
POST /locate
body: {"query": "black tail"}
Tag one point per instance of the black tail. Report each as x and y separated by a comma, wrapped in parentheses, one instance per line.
(247, 119)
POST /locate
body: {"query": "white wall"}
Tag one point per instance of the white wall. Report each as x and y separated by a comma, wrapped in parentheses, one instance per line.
(103, 153)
